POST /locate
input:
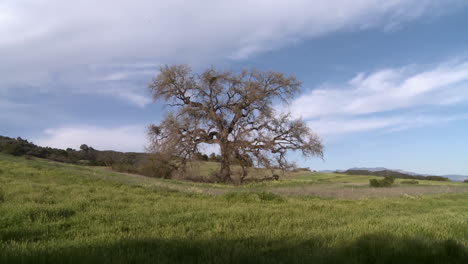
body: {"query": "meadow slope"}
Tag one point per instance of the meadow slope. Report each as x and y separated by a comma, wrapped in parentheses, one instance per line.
(59, 213)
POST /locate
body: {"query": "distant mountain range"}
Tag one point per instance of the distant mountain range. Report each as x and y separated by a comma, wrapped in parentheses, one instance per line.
(452, 177)
(457, 177)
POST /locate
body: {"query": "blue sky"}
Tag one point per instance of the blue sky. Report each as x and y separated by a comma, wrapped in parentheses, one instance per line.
(385, 83)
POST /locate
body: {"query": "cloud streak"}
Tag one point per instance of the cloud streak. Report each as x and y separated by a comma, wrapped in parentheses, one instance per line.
(113, 47)
(125, 138)
(45, 38)
(345, 108)
(387, 90)
(339, 126)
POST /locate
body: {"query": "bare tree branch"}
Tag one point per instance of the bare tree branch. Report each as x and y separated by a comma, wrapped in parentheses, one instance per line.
(231, 110)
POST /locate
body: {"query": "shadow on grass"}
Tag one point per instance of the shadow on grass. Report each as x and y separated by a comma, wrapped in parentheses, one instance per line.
(374, 248)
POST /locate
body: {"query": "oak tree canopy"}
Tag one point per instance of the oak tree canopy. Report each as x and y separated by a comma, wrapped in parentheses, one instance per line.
(233, 110)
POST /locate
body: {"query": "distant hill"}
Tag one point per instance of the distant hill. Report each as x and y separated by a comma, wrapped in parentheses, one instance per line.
(147, 164)
(86, 155)
(395, 174)
(331, 171)
(369, 169)
(456, 177)
(381, 171)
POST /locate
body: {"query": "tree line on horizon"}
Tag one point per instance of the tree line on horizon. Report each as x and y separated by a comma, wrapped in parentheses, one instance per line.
(393, 174)
(148, 164)
(86, 155)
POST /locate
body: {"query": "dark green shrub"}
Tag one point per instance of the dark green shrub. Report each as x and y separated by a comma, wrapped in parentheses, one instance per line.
(83, 162)
(410, 182)
(14, 148)
(436, 178)
(157, 166)
(124, 167)
(374, 183)
(388, 181)
(385, 182)
(465, 181)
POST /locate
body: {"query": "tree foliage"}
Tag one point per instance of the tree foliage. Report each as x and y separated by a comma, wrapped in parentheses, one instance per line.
(234, 111)
(86, 155)
(385, 182)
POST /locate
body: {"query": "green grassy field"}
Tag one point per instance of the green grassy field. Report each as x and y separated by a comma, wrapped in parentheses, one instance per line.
(59, 213)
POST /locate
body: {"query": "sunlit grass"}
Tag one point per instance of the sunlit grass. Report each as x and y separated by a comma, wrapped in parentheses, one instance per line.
(52, 212)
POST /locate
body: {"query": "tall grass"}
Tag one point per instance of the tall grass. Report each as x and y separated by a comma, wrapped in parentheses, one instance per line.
(55, 213)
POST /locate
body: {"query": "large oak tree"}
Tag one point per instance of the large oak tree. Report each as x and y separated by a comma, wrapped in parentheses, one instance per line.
(235, 111)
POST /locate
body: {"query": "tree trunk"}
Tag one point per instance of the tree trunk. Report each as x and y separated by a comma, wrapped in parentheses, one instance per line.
(225, 173)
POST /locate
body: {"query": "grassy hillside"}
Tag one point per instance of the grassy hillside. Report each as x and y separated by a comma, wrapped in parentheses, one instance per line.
(52, 212)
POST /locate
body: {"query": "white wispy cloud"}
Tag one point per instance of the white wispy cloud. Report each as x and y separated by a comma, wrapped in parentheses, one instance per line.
(4, 105)
(129, 95)
(387, 90)
(339, 108)
(109, 46)
(124, 138)
(338, 126)
(43, 38)
(121, 138)
(124, 75)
